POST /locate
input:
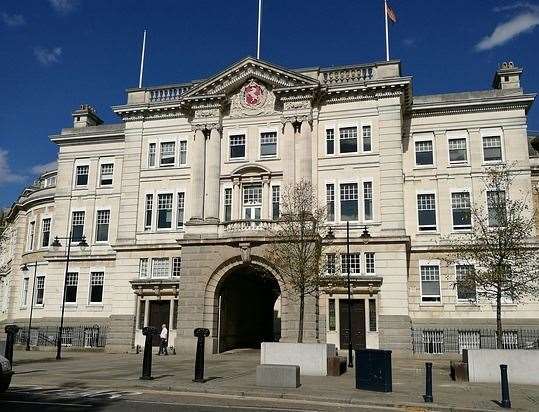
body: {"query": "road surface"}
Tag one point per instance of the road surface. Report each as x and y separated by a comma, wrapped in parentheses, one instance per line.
(83, 399)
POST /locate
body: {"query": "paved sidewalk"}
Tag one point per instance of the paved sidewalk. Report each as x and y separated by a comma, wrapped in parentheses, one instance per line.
(234, 373)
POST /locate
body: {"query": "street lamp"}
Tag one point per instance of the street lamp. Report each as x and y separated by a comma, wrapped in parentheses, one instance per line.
(350, 355)
(365, 235)
(56, 244)
(25, 269)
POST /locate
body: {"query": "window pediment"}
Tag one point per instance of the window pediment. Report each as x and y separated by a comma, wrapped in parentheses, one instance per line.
(251, 169)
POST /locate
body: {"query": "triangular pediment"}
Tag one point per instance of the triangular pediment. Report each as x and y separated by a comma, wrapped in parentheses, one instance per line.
(249, 68)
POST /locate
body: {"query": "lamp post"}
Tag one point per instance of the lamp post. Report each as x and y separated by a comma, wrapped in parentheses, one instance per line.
(56, 244)
(350, 355)
(25, 269)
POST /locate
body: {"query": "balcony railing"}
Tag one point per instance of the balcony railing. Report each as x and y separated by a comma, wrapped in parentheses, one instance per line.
(347, 75)
(244, 225)
(166, 94)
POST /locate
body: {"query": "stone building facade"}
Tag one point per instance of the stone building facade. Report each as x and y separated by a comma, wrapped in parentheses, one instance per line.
(176, 200)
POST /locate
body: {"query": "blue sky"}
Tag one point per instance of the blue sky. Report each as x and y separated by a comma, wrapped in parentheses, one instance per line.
(57, 54)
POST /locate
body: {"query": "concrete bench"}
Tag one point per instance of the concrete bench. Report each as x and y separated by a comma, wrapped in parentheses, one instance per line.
(277, 376)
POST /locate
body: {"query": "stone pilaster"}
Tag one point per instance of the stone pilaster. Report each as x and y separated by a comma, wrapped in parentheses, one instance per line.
(130, 183)
(236, 200)
(213, 173)
(391, 166)
(197, 175)
(289, 153)
(265, 197)
(306, 162)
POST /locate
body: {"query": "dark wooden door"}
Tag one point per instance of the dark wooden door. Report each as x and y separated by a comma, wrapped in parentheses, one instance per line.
(358, 323)
(159, 314)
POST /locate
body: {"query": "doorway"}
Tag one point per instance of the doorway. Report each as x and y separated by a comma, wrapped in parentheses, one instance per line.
(159, 314)
(358, 323)
(246, 299)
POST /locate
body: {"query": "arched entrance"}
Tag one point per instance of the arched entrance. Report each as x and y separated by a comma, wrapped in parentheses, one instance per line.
(248, 315)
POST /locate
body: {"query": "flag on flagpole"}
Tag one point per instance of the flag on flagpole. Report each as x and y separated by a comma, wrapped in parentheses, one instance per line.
(391, 13)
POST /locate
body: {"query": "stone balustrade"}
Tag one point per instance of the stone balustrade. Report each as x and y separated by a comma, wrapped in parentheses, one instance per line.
(248, 225)
(347, 75)
(166, 94)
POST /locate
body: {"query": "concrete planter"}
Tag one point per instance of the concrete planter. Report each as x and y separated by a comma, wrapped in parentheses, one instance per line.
(312, 358)
(522, 365)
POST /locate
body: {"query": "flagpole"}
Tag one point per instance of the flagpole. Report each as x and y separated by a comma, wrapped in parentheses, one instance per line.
(142, 60)
(259, 24)
(387, 31)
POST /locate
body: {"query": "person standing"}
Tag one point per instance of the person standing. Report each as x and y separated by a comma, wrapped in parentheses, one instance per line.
(164, 340)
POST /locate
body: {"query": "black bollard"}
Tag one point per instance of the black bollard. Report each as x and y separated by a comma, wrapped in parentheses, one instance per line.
(200, 334)
(506, 402)
(428, 382)
(149, 332)
(11, 331)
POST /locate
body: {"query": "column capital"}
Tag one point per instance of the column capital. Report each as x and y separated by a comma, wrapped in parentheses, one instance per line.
(206, 126)
(296, 118)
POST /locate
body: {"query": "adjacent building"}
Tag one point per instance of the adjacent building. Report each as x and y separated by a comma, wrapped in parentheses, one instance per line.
(177, 199)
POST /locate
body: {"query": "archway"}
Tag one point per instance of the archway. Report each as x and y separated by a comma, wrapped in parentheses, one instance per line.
(248, 315)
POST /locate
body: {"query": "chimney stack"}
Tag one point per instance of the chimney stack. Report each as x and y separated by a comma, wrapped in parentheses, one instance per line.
(85, 116)
(507, 77)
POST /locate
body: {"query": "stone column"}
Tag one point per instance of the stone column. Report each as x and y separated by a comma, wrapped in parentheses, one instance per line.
(288, 153)
(171, 315)
(213, 173)
(137, 311)
(236, 200)
(305, 161)
(197, 175)
(265, 198)
(146, 312)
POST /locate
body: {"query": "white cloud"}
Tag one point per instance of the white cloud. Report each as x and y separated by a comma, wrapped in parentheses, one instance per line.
(63, 6)
(7, 176)
(517, 5)
(47, 167)
(524, 21)
(409, 41)
(13, 20)
(47, 56)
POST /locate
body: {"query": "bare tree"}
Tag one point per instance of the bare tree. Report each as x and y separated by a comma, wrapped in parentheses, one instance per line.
(5, 244)
(501, 256)
(297, 246)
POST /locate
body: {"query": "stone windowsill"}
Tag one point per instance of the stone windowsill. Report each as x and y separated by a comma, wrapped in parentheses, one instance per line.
(431, 304)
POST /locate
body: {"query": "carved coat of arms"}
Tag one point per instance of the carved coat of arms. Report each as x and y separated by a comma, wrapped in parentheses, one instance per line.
(252, 99)
(253, 95)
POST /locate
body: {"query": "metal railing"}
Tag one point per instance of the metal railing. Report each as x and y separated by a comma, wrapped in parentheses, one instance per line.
(82, 336)
(440, 341)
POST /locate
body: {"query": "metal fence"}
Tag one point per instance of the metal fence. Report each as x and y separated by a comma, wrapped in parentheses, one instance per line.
(439, 341)
(93, 336)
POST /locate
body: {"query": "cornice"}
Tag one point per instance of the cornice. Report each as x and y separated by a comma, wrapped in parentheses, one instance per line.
(477, 105)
